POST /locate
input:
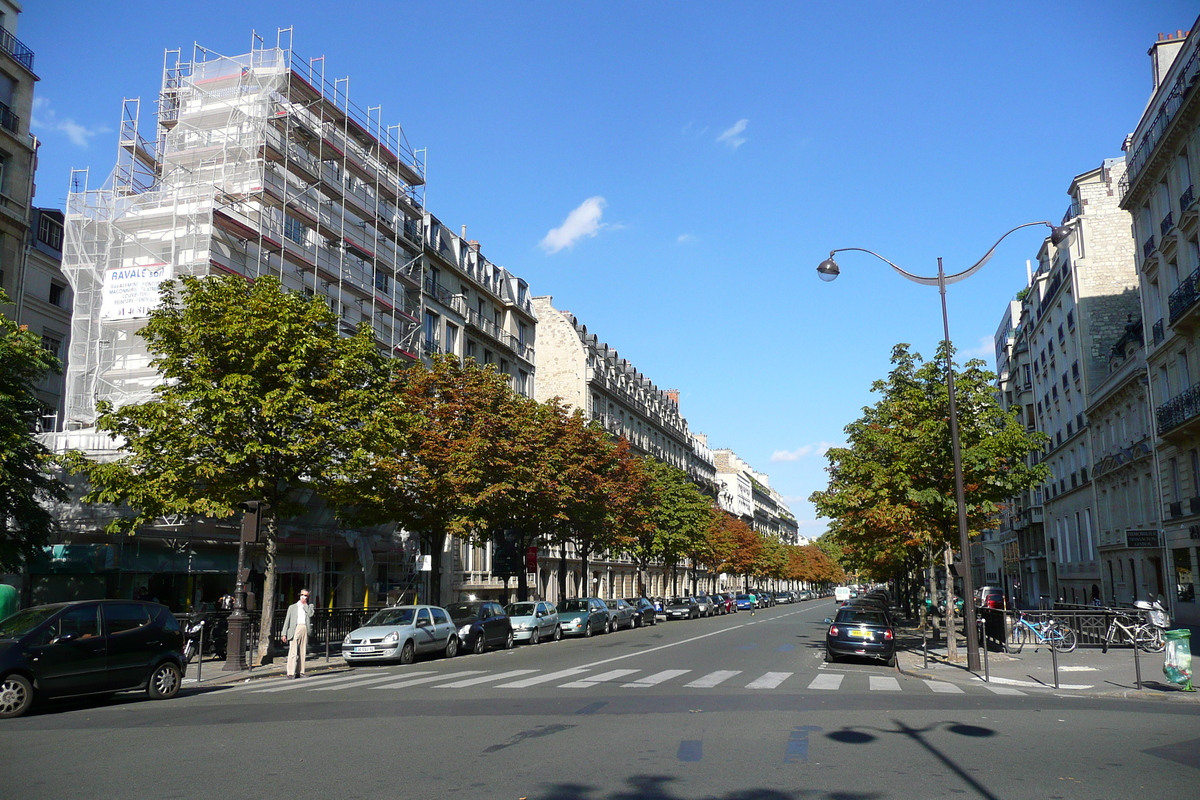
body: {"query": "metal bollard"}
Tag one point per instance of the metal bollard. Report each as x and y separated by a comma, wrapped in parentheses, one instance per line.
(987, 674)
(1137, 666)
(925, 648)
(200, 656)
(1054, 661)
(328, 620)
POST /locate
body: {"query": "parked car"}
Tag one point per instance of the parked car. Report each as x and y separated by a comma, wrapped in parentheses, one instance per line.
(481, 625)
(621, 614)
(534, 621)
(860, 631)
(682, 608)
(993, 598)
(726, 602)
(746, 602)
(400, 633)
(706, 604)
(645, 612)
(88, 647)
(583, 616)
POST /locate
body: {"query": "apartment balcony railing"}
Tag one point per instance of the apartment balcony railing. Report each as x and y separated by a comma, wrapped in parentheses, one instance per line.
(1184, 297)
(1157, 332)
(13, 46)
(1178, 410)
(8, 119)
(1154, 132)
(1148, 247)
(1186, 199)
(438, 292)
(493, 330)
(1167, 223)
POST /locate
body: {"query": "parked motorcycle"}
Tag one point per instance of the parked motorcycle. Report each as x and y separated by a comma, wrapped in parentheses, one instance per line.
(211, 630)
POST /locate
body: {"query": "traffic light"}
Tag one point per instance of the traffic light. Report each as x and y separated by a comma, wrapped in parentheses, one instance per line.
(252, 519)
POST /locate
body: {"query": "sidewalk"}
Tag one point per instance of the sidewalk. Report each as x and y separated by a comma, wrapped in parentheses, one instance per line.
(212, 672)
(1087, 670)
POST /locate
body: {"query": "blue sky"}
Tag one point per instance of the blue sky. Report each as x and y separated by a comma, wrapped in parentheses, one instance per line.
(672, 173)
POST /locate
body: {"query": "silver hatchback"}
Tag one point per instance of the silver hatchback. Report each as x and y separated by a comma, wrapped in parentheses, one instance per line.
(534, 621)
(399, 633)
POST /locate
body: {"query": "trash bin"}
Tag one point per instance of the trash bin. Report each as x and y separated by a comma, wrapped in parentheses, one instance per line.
(8, 600)
(1178, 664)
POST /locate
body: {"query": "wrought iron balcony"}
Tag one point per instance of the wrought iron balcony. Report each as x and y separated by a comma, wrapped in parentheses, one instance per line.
(1167, 223)
(1157, 332)
(1184, 297)
(1186, 199)
(1148, 247)
(8, 119)
(13, 46)
(1178, 410)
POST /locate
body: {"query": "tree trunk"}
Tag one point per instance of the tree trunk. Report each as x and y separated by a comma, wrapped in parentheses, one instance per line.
(562, 572)
(586, 590)
(951, 637)
(267, 601)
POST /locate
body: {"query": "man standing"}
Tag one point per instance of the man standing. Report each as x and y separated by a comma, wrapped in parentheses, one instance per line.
(295, 634)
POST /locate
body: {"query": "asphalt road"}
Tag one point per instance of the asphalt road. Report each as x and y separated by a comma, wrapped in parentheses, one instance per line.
(729, 708)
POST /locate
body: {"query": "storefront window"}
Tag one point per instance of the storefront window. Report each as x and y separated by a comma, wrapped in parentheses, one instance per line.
(1184, 586)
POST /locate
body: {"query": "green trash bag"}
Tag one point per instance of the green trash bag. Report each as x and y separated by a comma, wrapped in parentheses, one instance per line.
(1178, 664)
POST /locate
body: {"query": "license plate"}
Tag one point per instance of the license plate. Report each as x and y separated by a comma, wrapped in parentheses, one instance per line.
(860, 634)
(365, 649)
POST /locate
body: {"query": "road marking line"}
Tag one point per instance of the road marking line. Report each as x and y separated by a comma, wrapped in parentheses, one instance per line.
(368, 681)
(712, 679)
(941, 687)
(592, 680)
(1005, 690)
(484, 679)
(831, 681)
(883, 683)
(1036, 684)
(553, 676)
(655, 679)
(293, 684)
(769, 681)
(429, 679)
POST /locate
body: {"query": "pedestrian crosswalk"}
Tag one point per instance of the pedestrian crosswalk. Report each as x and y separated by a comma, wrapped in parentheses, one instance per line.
(582, 678)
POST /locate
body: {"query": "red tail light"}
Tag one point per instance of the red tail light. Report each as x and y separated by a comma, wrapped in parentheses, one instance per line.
(887, 635)
(833, 630)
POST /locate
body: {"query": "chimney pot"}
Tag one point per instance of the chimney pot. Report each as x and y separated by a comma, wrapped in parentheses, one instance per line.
(474, 245)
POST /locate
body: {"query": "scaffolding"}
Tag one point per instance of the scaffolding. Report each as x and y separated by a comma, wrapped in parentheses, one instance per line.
(258, 166)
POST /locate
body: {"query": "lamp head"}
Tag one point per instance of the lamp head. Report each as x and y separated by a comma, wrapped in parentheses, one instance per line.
(828, 269)
(1059, 234)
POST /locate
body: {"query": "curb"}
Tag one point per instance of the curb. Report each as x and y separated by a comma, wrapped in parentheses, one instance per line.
(262, 673)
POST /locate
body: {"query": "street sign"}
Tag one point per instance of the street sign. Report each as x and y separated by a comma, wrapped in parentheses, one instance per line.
(531, 559)
(1141, 538)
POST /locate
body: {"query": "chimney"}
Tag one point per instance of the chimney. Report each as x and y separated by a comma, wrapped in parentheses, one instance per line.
(464, 231)
(1162, 55)
(474, 245)
(674, 395)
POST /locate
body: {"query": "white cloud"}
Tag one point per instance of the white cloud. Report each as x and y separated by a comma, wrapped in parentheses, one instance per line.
(733, 135)
(584, 221)
(819, 449)
(986, 349)
(46, 118)
(684, 238)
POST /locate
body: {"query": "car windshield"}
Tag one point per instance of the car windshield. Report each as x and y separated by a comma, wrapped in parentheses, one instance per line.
(743, 597)
(23, 622)
(463, 610)
(860, 615)
(520, 609)
(679, 601)
(575, 605)
(393, 616)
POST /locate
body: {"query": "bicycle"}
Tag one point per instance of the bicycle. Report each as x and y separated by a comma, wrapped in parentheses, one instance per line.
(1136, 631)
(1048, 633)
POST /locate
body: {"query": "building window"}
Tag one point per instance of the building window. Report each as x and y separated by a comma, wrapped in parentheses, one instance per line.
(50, 231)
(451, 338)
(293, 229)
(57, 290)
(53, 346)
(470, 350)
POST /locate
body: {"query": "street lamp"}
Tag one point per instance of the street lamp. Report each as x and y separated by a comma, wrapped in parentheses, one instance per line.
(828, 270)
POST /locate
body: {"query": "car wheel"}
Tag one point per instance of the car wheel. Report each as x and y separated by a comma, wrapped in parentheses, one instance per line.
(16, 696)
(533, 635)
(408, 653)
(557, 633)
(891, 662)
(164, 681)
(452, 647)
(829, 656)
(637, 623)
(587, 629)
(508, 643)
(480, 644)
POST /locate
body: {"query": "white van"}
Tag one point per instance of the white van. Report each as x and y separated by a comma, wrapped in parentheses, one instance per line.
(841, 593)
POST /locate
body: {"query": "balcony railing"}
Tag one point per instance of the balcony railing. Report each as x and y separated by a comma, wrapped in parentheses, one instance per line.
(1148, 247)
(438, 292)
(1167, 223)
(1156, 331)
(1172, 102)
(8, 119)
(1186, 199)
(1178, 410)
(13, 46)
(1184, 297)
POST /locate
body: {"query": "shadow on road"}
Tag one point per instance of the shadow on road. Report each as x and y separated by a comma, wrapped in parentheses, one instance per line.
(658, 787)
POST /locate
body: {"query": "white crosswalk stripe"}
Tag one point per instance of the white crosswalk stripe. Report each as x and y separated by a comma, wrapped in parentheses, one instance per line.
(655, 679)
(883, 683)
(831, 681)
(484, 679)
(1005, 690)
(769, 680)
(290, 685)
(365, 682)
(941, 687)
(592, 680)
(534, 681)
(713, 679)
(428, 679)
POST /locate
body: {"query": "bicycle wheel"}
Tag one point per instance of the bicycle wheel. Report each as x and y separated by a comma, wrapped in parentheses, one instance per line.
(1017, 639)
(1061, 639)
(1149, 638)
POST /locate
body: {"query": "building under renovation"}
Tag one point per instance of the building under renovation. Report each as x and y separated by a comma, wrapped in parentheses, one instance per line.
(259, 165)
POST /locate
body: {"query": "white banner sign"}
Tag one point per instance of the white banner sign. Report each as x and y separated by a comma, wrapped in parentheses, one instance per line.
(132, 292)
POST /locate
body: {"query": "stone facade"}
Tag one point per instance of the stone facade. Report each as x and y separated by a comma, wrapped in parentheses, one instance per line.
(747, 494)
(1159, 192)
(44, 305)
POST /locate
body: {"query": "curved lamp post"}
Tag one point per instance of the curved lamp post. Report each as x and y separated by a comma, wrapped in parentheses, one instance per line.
(828, 270)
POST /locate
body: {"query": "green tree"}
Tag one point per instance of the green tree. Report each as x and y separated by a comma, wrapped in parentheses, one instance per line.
(26, 478)
(681, 514)
(259, 389)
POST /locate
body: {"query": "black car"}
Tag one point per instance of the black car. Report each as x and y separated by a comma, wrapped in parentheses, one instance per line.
(682, 608)
(645, 612)
(88, 647)
(861, 631)
(481, 625)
